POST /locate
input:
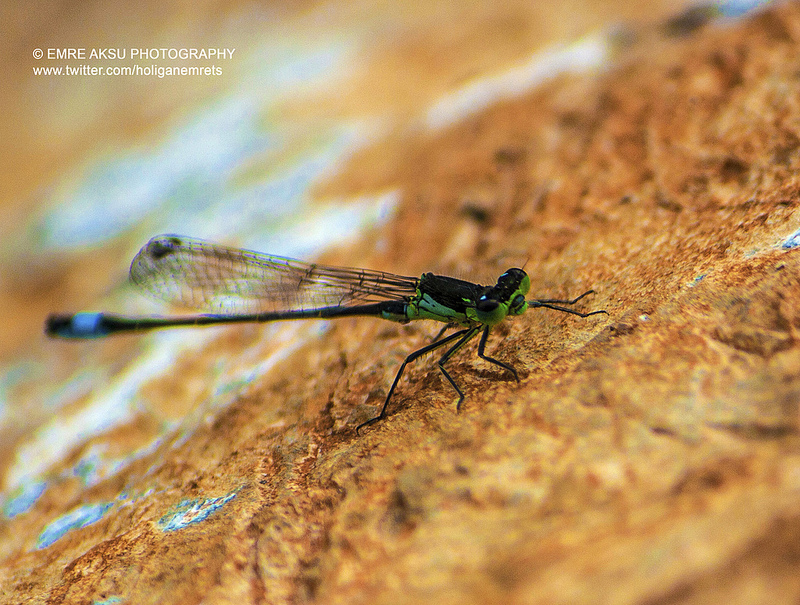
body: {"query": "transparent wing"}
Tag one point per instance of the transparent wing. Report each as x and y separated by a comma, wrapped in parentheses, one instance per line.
(207, 277)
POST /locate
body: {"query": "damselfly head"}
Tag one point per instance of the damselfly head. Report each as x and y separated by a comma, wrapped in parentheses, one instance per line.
(511, 288)
(506, 297)
(162, 245)
(511, 283)
(518, 305)
(486, 305)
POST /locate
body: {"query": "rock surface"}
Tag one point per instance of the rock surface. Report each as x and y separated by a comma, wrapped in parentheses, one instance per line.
(651, 456)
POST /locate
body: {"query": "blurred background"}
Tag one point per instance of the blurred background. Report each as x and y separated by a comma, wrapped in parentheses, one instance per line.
(287, 146)
(93, 165)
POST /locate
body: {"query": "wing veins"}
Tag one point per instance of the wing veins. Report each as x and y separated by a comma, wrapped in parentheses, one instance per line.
(205, 276)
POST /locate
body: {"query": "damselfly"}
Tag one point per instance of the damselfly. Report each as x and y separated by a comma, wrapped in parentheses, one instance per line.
(234, 285)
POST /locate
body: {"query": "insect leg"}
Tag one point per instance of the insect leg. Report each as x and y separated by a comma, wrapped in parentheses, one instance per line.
(443, 330)
(482, 346)
(468, 334)
(556, 305)
(564, 301)
(416, 354)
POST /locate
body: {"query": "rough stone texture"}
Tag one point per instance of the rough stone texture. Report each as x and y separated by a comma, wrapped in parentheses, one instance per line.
(648, 457)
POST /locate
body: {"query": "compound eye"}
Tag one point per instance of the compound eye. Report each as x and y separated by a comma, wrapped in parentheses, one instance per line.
(517, 303)
(487, 305)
